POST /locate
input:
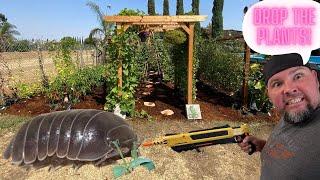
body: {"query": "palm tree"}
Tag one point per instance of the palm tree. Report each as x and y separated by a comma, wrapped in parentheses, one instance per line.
(7, 33)
(100, 35)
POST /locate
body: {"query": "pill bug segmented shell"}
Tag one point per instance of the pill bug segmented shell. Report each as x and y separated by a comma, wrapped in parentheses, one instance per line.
(77, 135)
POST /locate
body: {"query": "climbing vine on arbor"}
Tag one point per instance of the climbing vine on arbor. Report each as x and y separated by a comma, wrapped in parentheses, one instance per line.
(124, 48)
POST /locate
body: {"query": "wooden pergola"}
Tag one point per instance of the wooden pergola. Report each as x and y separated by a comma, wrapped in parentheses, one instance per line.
(186, 22)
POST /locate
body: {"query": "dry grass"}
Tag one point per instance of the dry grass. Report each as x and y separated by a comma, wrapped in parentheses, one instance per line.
(214, 162)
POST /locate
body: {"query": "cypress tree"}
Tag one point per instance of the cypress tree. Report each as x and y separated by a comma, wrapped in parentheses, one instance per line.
(195, 11)
(195, 7)
(2, 18)
(166, 8)
(151, 8)
(217, 19)
(180, 10)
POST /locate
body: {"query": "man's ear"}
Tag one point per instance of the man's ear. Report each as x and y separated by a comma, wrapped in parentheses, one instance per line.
(316, 76)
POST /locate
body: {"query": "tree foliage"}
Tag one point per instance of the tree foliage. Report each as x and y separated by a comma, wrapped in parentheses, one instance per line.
(195, 11)
(166, 7)
(220, 68)
(2, 18)
(180, 10)
(100, 35)
(195, 7)
(217, 19)
(151, 8)
(131, 12)
(7, 32)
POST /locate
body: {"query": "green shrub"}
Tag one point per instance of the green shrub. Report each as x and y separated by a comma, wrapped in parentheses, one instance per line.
(70, 81)
(24, 90)
(257, 90)
(131, 12)
(219, 67)
(77, 84)
(175, 37)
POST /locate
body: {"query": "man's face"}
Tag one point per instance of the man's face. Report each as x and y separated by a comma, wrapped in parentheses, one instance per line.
(294, 92)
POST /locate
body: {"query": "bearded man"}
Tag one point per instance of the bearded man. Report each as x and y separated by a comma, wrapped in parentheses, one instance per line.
(292, 151)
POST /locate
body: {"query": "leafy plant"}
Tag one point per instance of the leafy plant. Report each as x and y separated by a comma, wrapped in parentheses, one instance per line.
(71, 82)
(124, 49)
(24, 90)
(128, 167)
(219, 67)
(144, 114)
(257, 90)
(175, 37)
(77, 84)
(62, 59)
(131, 12)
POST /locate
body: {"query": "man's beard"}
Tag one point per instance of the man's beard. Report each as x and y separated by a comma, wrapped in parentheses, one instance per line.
(299, 117)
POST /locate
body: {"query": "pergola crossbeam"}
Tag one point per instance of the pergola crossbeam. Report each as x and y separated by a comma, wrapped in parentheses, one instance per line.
(155, 19)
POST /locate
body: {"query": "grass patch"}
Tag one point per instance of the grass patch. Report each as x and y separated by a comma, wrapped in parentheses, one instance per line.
(9, 122)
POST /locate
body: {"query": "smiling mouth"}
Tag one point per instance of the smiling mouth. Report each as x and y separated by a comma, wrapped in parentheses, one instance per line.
(294, 101)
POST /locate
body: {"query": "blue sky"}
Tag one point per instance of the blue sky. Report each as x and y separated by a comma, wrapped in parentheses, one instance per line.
(55, 19)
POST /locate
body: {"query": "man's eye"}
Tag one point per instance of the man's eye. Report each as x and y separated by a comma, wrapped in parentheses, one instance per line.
(298, 76)
(276, 84)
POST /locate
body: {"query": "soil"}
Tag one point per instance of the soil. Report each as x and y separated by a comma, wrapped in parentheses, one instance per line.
(214, 162)
(214, 105)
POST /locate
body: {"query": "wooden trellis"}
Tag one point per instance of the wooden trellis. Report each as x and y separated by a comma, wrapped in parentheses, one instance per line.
(186, 22)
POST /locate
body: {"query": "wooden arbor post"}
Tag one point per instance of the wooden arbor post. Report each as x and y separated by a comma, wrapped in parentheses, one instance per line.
(246, 70)
(120, 29)
(165, 22)
(190, 31)
(246, 75)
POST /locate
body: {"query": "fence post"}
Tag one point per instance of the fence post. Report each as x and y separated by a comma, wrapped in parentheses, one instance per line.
(246, 70)
(44, 78)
